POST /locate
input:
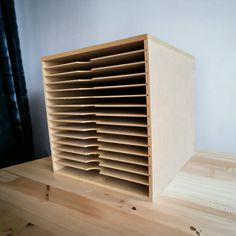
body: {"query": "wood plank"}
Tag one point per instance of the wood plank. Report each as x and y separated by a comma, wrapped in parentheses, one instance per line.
(121, 139)
(97, 97)
(97, 80)
(69, 66)
(127, 158)
(12, 224)
(120, 148)
(75, 127)
(120, 121)
(140, 179)
(97, 88)
(75, 134)
(119, 130)
(76, 142)
(75, 150)
(131, 168)
(79, 165)
(123, 68)
(76, 157)
(80, 120)
(130, 56)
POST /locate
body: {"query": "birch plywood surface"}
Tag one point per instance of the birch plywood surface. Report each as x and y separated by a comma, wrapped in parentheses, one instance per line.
(201, 200)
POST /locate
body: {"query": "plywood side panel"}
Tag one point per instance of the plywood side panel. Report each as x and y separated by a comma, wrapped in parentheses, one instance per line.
(172, 112)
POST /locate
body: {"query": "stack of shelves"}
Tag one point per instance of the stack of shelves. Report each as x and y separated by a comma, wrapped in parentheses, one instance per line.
(98, 115)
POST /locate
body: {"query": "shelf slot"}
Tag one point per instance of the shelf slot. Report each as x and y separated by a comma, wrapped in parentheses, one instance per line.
(93, 176)
(122, 139)
(74, 127)
(131, 131)
(125, 176)
(76, 142)
(97, 88)
(108, 91)
(131, 168)
(73, 119)
(85, 98)
(126, 149)
(135, 67)
(127, 158)
(97, 105)
(114, 59)
(122, 121)
(76, 65)
(99, 81)
(75, 150)
(86, 56)
(77, 157)
(78, 165)
(75, 134)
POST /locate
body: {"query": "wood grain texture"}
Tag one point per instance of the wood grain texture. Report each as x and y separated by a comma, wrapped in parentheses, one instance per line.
(201, 200)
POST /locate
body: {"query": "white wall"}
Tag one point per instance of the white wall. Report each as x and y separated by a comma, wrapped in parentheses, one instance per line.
(205, 28)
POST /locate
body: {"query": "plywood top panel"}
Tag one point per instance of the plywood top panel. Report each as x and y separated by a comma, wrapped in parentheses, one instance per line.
(112, 44)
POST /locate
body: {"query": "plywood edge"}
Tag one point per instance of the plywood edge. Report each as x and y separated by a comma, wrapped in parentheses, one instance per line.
(149, 122)
(156, 40)
(96, 47)
(54, 166)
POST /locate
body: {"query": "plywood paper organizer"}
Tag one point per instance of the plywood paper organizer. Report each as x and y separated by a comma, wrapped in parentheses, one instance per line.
(121, 114)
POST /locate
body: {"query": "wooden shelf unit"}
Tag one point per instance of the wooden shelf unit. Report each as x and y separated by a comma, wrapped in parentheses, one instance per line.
(121, 114)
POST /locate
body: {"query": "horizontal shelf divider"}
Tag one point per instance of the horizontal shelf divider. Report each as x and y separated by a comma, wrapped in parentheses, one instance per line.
(98, 70)
(97, 88)
(119, 58)
(106, 181)
(76, 143)
(126, 149)
(79, 165)
(99, 105)
(131, 168)
(75, 134)
(76, 150)
(97, 80)
(122, 157)
(96, 97)
(121, 139)
(77, 157)
(125, 176)
(98, 60)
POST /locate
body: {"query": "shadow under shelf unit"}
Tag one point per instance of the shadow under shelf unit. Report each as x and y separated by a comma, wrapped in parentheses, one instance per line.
(120, 114)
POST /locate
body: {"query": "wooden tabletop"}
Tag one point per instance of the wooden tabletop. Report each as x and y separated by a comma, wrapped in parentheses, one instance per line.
(200, 201)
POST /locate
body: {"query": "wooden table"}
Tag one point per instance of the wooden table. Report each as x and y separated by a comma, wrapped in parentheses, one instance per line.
(200, 201)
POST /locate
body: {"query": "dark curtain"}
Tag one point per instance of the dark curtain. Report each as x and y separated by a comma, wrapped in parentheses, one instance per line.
(16, 145)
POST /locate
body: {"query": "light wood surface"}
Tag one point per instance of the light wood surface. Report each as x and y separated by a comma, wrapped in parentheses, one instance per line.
(201, 200)
(119, 94)
(171, 88)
